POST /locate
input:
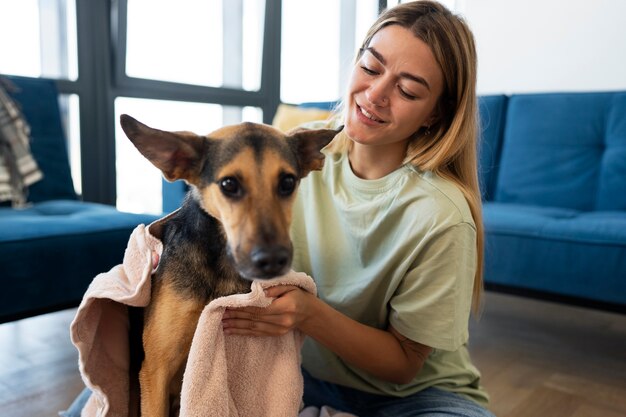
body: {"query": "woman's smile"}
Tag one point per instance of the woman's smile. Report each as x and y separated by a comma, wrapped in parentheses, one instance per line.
(368, 116)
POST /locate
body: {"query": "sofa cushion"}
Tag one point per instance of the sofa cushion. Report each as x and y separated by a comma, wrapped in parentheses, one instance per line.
(38, 100)
(612, 182)
(596, 227)
(553, 148)
(288, 117)
(50, 252)
(492, 112)
(62, 217)
(601, 227)
(522, 219)
(559, 251)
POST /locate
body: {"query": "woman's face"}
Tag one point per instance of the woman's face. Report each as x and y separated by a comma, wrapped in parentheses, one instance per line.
(393, 89)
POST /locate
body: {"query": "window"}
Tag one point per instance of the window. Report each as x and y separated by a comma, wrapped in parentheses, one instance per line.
(319, 41)
(39, 38)
(70, 114)
(212, 43)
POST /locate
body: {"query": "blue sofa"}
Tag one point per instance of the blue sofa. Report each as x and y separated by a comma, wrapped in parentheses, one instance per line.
(51, 250)
(553, 169)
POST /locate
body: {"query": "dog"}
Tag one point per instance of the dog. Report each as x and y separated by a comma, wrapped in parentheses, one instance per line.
(232, 227)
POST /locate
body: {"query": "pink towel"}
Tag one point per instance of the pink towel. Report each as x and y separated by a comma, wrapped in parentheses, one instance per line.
(225, 375)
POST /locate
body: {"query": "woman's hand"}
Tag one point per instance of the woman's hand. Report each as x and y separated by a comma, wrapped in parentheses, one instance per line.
(288, 311)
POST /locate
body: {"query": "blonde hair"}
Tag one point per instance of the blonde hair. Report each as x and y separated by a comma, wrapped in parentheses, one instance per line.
(449, 146)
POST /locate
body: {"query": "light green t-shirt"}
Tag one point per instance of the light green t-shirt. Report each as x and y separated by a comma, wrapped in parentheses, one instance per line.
(398, 250)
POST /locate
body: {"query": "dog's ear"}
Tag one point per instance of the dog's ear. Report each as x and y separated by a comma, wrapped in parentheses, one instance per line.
(179, 155)
(307, 145)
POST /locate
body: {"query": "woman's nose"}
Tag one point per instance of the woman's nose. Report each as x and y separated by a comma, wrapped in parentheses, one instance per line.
(378, 93)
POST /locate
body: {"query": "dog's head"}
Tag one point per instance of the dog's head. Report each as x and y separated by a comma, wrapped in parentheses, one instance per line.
(245, 176)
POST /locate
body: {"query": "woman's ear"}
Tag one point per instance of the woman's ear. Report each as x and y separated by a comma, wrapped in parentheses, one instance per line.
(432, 119)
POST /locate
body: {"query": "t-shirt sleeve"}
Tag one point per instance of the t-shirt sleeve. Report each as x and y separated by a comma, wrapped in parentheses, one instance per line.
(432, 303)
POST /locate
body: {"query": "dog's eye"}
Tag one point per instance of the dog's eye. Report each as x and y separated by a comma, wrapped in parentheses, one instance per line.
(287, 185)
(231, 187)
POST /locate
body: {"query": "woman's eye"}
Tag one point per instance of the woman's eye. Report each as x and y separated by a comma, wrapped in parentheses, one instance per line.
(367, 70)
(287, 185)
(231, 187)
(406, 94)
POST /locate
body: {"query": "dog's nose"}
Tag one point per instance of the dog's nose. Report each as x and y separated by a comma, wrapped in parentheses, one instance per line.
(271, 261)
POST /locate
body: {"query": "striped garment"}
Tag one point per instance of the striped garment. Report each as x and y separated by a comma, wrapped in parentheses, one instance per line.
(18, 168)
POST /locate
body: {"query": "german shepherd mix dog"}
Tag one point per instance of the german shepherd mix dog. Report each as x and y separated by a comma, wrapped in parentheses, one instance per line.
(233, 227)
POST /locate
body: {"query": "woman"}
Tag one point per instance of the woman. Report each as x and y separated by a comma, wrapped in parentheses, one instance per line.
(391, 231)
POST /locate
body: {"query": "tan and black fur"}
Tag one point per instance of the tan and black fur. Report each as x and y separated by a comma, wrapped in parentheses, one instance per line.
(232, 227)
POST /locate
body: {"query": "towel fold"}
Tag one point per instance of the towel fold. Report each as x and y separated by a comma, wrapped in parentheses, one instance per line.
(225, 375)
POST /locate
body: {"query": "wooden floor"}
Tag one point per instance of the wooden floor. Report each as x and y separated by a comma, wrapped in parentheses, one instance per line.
(38, 366)
(537, 359)
(545, 359)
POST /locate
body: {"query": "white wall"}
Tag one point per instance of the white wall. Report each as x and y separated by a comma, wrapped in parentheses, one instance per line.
(548, 45)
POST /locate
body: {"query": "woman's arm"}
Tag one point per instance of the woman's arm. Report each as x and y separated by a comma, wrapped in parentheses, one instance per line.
(385, 354)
